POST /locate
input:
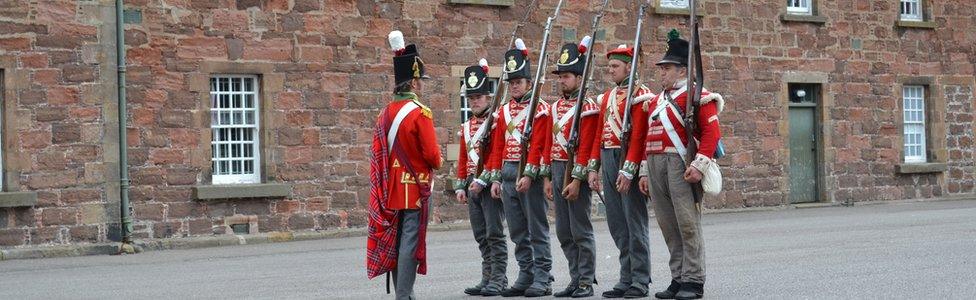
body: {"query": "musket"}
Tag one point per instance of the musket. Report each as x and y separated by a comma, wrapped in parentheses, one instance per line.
(632, 78)
(694, 85)
(500, 94)
(536, 82)
(573, 143)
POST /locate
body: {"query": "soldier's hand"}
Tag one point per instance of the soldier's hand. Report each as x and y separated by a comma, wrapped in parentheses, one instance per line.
(523, 184)
(692, 175)
(547, 188)
(623, 184)
(644, 185)
(594, 180)
(475, 188)
(496, 190)
(572, 190)
(461, 197)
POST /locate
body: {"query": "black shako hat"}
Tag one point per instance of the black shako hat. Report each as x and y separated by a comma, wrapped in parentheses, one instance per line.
(677, 51)
(516, 62)
(407, 64)
(476, 79)
(572, 57)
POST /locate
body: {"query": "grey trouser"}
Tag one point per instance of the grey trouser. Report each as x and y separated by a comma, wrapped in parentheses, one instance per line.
(573, 227)
(678, 216)
(486, 215)
(528, 229)
(627, 219)
(406, 271)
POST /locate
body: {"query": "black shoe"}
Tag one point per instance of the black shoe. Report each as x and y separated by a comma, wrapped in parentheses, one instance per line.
(690, 290)
(512, 292)
(670, 292)
(490, 291)
(634, 292)
(531, 292)
(614, 293)
(584, 290)
(475, 290)
(567, 292)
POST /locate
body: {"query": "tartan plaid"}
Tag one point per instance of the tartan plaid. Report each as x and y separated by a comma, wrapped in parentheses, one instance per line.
(381, 245)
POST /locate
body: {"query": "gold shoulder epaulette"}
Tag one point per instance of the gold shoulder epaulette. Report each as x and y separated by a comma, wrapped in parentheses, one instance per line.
(424, 110)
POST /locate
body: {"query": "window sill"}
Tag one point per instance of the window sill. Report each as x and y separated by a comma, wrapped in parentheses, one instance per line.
(675, 11)
(917, 24)
(234, 191)
(920, 168)
(788, 17)
(484, 2)
(18, 199)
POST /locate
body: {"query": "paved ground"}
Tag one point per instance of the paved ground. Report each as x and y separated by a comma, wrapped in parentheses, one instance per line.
(901, 250)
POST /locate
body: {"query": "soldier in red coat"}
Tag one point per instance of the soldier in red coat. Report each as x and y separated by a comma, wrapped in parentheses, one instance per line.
(484, 211)
(667, 180)
(626, 206)
(525, 203)
(404, 154)
(570, 194)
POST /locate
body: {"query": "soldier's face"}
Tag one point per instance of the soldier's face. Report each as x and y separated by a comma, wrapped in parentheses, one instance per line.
(669, 74)
(418, 86)
(569, 82)
(618, 70)
(518, 87)
(478, 103)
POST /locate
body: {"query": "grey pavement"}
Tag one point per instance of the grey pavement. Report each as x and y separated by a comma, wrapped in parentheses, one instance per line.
(888, 251)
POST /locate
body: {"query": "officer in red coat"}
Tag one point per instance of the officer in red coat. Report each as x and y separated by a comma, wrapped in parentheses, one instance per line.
(668, 181)
(405, 153)
(485, 212)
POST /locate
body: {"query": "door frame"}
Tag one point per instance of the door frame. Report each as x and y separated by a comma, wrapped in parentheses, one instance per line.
(821, 124)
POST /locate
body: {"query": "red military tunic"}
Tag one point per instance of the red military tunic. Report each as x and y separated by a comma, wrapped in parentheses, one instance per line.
(610, 125)
(470, 135)
(507, 134)
(562, 112)
(658, 140)
(415, 136)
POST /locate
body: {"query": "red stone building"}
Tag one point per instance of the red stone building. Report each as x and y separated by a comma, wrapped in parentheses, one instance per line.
(260, 111)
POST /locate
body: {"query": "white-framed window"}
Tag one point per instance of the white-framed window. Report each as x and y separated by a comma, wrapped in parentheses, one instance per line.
(674, 4)
(799, 7)
(465, 109)
(913, 106)
(234, 122)
(911, 10)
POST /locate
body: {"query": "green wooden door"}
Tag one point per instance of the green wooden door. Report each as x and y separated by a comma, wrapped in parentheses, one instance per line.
(803, 154)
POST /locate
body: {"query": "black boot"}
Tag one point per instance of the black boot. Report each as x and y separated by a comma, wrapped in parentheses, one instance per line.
(634, 292)
(614, 293)
(533, 292)
(475, 290)
(493, 289)
(690, 290)
(513, 292)
(584, 290)
(670, 292)
(567, 292)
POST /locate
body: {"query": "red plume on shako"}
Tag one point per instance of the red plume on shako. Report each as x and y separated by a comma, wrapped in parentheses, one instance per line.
(585, 44)
(520, 44)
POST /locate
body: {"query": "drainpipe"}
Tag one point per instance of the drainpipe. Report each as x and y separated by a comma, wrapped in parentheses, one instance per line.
(123, 143)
